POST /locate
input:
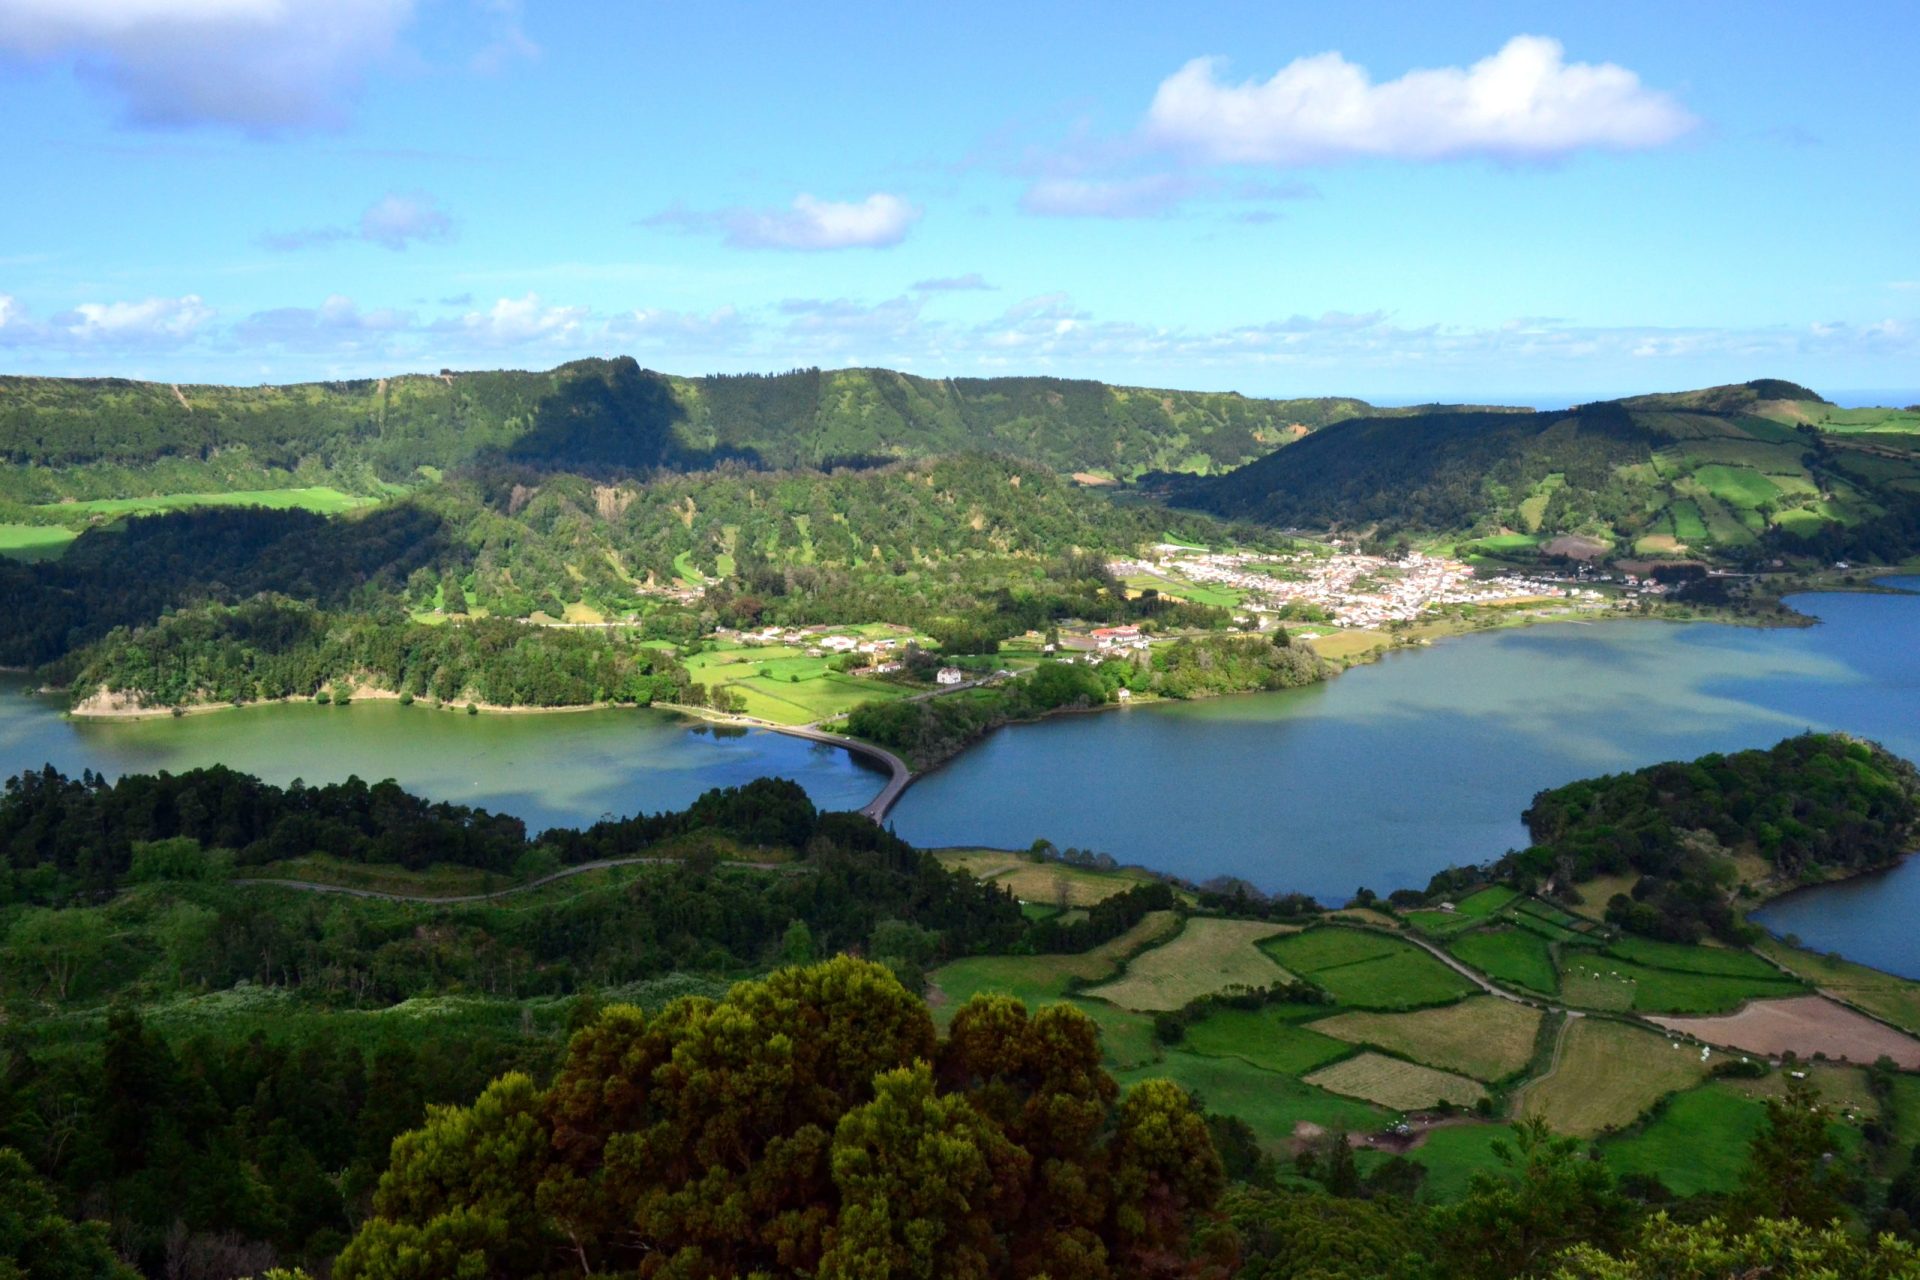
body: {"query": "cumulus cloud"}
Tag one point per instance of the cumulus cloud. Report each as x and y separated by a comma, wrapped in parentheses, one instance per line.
(524, 321)
(971, 281)
(150, 321)
(395, 221)
(262, 66)
(877, 222)
(1526, 102)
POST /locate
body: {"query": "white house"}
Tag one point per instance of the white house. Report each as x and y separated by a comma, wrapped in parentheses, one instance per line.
(950, 675)
(839, 644)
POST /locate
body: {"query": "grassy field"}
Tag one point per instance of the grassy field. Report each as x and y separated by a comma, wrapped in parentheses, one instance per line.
(1486, 1037)
(1511, 955)
(320, 498)
(786, 685)
(1588, 1093)
(1881, 994)
(1393, 1083)
(1685, 959)
(1442, 924)
(1041, 980)
(1607, 982)
(1346, 645)
(1697, 1143)
(1486, 901)
(1367, 970)
(1452, 1156)
(1267, 1038)
(1272, 1103)
(1205, 957)
(1047, 883)
(34, 541)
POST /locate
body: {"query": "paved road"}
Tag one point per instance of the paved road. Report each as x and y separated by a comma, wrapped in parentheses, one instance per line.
(316, 886)
(901, 776)
(1480, 980)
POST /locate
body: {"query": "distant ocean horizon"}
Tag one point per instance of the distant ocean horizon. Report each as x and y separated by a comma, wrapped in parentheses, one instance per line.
(1846, 398)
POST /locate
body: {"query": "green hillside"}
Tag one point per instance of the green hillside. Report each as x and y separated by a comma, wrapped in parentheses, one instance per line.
(1727, 472)
(109, 438)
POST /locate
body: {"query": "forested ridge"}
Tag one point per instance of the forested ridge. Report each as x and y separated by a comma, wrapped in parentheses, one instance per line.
(612, 416)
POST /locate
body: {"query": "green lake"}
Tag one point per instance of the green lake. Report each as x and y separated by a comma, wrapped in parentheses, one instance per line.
(550, 769)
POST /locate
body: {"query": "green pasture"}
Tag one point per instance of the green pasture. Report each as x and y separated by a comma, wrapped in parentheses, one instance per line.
(34, 541)
(1511, 955)
(1272, 1103)
(1697, 1142)
(1368, 971)
(1452, 1155)
(1486, 901)
(1688, 524)
(1605, 982)
(785, 685)
(318, 498)
(1266, 1038)
(1735, 486)
(1179, 588)
(1674, 955)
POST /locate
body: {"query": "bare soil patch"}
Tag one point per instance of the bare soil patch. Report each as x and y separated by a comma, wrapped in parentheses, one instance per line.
(1806, 1025)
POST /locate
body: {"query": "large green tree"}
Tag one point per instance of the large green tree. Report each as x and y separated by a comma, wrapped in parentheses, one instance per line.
(809, 1123)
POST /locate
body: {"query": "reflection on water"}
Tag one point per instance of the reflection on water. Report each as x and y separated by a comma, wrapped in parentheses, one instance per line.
(558, 769)
(1394, 771)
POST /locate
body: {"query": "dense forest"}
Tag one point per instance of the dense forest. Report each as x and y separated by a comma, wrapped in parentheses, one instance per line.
(1810, 807)
(931, 544)
(613, 417)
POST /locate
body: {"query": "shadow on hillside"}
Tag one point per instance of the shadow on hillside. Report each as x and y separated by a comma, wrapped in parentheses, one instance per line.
(611, 417)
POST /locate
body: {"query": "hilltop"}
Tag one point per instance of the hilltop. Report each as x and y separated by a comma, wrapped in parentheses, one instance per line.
(91, 438)
(1724, 472)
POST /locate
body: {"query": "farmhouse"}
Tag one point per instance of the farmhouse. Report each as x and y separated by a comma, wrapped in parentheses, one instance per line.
(950, 675)
(839, 644)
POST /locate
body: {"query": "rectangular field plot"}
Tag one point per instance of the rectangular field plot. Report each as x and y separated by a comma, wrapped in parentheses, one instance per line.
(1267, 1038)
(1402, 1086)
(1685, 959)
(1486, 901)
(1318, 949)
(1605, 982)
(1511, 955)
(1207, 956)
(1486, 1037)
(1607, 1074)
(1369, 971)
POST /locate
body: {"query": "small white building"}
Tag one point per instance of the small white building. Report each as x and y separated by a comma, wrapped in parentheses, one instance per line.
(950, 675)
(839, 644)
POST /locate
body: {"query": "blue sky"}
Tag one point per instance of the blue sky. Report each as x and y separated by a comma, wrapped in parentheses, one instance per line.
(1388, 200)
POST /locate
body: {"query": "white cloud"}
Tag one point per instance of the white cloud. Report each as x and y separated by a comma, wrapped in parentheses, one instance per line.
(723, 328)
(394, 221)
(1904, 286)
(971, 281)
(155, 321)
(337, 324)
(512, 322)
(1524, 102)
(1142, 197)
(263, 66)
(397, 219)
(13, 316)
(880, 220)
